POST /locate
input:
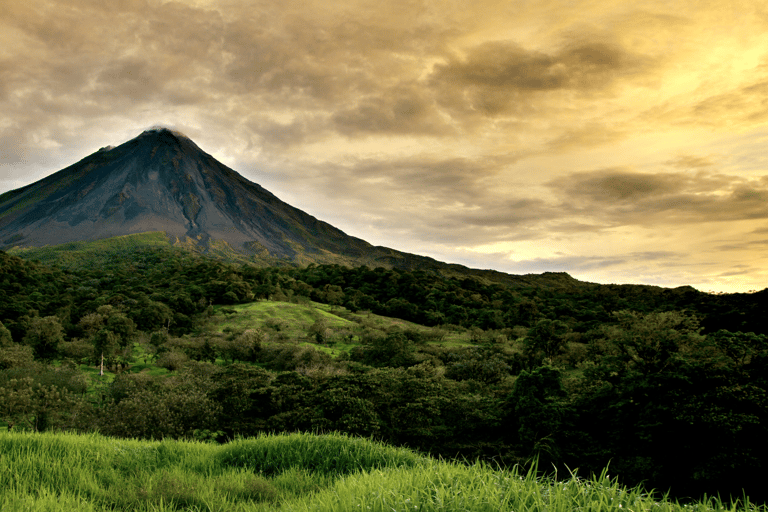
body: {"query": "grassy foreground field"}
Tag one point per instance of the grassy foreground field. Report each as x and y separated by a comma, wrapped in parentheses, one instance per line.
(297, 472)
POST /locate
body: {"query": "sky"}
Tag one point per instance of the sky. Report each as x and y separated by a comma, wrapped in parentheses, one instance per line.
(621, 142)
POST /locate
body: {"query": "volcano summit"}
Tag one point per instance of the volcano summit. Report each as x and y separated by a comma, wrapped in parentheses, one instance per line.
(162, 181)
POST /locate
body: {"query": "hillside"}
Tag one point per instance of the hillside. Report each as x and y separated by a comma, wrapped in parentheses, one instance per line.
(666, 386)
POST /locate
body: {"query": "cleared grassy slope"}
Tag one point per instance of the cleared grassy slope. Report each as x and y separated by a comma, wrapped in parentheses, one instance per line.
(294, 321)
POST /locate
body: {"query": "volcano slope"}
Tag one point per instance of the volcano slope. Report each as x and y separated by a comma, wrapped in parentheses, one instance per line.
(161, 181)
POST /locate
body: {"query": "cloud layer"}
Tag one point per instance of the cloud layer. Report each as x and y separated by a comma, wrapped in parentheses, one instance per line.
(619, 142)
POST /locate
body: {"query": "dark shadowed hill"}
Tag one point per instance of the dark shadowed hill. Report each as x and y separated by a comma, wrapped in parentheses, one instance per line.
(161, 181)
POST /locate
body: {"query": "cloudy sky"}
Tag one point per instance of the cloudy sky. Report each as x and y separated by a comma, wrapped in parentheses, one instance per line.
(618, 141)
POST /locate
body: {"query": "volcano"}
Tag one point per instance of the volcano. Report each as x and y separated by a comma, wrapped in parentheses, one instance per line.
(162, 181)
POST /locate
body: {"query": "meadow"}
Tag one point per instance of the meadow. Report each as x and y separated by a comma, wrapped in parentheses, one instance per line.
(289, 472)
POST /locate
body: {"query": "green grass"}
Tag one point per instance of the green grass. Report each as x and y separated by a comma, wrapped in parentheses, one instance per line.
(115, 250)
(296, 319)
(105, 252)
(297, 472)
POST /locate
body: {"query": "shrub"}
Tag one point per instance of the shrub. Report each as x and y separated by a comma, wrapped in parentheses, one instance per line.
(276, 324)
(16, 356)
(172, 361)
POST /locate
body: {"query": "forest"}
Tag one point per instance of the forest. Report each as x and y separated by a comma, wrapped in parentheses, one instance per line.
(665, 387)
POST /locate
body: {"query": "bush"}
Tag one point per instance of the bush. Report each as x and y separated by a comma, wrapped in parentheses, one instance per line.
(276, 324)
(16, 356)
(170, 412)
(172, 360)
(230, 298)
(290, 357)
(125, 384)
(78, 350)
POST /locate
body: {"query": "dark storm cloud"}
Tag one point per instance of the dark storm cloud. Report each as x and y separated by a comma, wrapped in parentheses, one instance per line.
(438, 181)
(626, 197)
(402, 109)
(494, 77)
(617, 185)
(504, 64)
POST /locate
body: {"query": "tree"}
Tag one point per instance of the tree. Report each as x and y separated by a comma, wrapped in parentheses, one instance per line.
(481, 365)
(671, 407)
(91, 323)
(172, 360)
(44, 335)
(395, 349)
(77, 350)
(230, 298)
(123, 328)
(643, 344)
(338, 411)
(243, 346)
(319, 329)
(151, 315)
(158, 341)
(5, 337)
(16, 356)
(537, 410)
(105, 343)
(34, 405)
(547, 337)
(174, 411)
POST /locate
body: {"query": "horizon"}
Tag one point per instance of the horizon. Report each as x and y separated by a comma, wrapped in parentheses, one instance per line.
(618, 143)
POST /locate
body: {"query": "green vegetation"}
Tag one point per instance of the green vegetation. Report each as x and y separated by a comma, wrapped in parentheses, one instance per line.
(292, 319)
(668, 387)
(104, 253)
(298, 472)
